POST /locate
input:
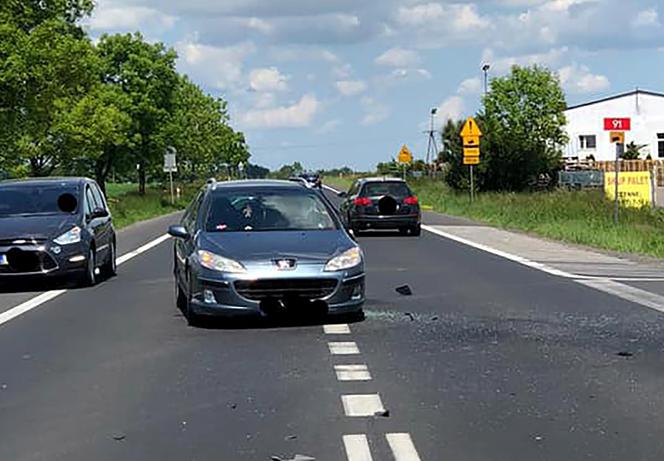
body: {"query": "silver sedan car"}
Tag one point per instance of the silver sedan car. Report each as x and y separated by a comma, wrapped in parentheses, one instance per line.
(265, 248)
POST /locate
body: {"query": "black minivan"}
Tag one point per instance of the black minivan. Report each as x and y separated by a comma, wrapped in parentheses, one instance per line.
(55, 227)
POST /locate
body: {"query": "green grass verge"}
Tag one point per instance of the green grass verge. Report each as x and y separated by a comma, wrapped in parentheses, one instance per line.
(579, 217)
(339, 183)
(128, 207)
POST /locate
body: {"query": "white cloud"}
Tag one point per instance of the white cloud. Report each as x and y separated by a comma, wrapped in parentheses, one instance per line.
(218, 67)
(374, 111)
(268, 79)
(579, 79)
(297, 115)
(646, 18)
(501, 65)
(470, 86)
(107, 16)
(342, 71)
(328, 127)
(453, 108)
(398, 57)
(351, 87)
(455, 16)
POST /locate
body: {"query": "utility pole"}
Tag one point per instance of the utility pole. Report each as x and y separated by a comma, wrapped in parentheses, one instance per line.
(485, 68)
(432, 147)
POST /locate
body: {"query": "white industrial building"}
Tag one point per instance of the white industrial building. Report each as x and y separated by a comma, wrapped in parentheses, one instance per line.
(585, 125)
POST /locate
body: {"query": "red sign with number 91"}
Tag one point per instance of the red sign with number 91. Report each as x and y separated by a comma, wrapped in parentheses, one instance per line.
(617, 124)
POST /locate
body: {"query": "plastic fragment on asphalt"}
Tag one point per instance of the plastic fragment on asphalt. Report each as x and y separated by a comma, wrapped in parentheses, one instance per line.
(625, 354)
(119, 437)
(410, 316)
(404, 290)
(290, 437)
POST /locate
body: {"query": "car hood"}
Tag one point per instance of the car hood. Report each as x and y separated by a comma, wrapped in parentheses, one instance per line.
(309, 247)
(39, 227)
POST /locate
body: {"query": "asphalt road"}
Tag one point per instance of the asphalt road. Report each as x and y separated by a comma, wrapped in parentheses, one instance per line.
(487, 360)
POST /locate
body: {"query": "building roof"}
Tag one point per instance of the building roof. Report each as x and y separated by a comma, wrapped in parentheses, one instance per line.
(618, 96)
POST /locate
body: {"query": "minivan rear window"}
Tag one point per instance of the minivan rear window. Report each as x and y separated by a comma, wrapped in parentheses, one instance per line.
(37, 200)
(379, 189)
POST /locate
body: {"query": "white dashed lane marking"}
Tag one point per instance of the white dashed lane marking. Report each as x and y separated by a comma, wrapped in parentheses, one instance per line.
(402, 447)
(362, 405)
(340, 329)
(352, 372)
(343, 348)
(357, 447)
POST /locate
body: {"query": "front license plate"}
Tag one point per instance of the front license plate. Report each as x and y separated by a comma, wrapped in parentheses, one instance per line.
(3, 260)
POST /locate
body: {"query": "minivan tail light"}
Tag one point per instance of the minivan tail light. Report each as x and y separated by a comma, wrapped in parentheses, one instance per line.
(362, 201)
(411, 200)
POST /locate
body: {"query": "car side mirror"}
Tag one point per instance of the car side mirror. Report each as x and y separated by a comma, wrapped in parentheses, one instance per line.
(98, 213)
(179, 232)
(342, 194)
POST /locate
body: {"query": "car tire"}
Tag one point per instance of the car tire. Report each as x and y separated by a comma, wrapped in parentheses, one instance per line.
(416, 231)
(110, 268)
(184, 302)
(89, 276)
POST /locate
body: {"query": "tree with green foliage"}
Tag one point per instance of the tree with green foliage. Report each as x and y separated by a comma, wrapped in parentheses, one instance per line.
(288, 171)
(46, 60)
(524, 129)
(145, 73)
(96, 132)
(633, 151)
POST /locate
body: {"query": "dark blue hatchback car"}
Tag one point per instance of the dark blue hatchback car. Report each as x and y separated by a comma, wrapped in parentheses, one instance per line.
(55, 227)
(264, 248)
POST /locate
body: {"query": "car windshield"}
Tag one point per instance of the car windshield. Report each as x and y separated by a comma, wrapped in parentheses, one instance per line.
(253, 211)
(37, 200)
(395, 189)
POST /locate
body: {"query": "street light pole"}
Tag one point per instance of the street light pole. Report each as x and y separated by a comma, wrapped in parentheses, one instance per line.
(485, 69)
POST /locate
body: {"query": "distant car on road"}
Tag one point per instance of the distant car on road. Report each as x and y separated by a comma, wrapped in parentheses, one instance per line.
(381, 203)
(264, 248)
(55, 226)
(314, 179)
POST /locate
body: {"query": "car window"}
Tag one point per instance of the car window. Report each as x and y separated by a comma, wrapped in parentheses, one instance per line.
(35, 200)
(378, 189)
(98, 197)
(354, 188)
(267, 211)
(189, 219)
(90, 204)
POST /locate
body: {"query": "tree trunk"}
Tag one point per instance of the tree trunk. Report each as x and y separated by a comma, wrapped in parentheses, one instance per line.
(141, 178)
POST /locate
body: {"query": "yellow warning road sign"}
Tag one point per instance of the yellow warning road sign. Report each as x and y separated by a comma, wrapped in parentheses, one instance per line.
(470, 128)
(471, 160)
(471, 151)
(405, 155)
(471, 141)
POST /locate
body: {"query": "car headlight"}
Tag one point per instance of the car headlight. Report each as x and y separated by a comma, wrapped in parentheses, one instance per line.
(345, 260)
(219, 263)
(71, 236)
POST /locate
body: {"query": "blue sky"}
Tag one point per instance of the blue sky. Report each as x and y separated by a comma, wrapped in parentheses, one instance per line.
(347, 82)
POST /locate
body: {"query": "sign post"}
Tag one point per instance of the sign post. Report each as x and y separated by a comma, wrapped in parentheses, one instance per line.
(616, 128)
(405, 157)
(170, 167)
(470, 134)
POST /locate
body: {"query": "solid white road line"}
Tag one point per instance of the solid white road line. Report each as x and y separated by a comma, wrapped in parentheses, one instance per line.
(148, 246)
(340, 329)
(361, 405)
(343, 348)
(635, 295)
(402, 447)
(352, 372)
(50, 295)
(357, 447)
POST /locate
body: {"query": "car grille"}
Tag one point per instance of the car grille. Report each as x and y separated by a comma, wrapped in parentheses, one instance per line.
(27, 262)
(22, 240)
(258, 290)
